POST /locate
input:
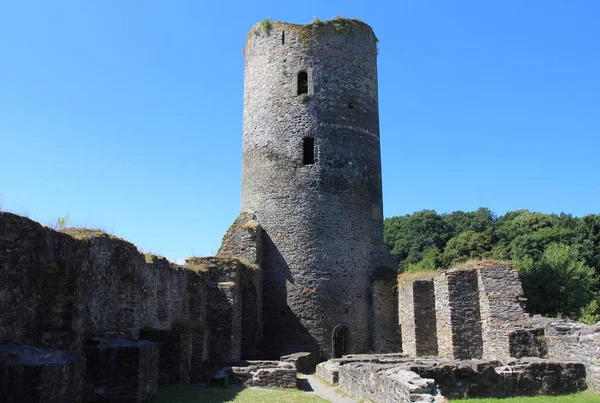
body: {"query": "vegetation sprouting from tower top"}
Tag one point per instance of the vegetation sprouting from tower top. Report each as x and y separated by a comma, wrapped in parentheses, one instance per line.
(305, 31)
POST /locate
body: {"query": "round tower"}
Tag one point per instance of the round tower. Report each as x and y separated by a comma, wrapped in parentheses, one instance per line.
(311, 173)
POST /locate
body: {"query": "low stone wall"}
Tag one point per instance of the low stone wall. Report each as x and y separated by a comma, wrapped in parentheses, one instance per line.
(386, 383)
(329, 371)
(30, 374)
(304, 362)
(266, 374)
(428, 379)
(573, 341)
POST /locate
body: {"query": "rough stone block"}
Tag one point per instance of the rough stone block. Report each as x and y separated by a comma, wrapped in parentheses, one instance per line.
(29, 374)
(329, 371)
(528, 343)
(304, 362)
(266, 374)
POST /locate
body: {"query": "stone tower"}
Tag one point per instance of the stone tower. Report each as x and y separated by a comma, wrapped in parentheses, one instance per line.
(311, 174)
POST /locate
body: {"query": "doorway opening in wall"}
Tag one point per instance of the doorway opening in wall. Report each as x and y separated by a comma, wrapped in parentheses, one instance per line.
(340, 341)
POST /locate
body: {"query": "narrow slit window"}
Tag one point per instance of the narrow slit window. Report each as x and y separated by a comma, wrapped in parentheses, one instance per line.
(283, 37)
(308, 151)
(302, 83)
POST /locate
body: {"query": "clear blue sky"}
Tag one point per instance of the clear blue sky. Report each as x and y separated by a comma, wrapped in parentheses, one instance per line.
(127, 115)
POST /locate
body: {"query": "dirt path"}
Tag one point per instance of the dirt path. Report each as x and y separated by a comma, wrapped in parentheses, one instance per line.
(310, 384)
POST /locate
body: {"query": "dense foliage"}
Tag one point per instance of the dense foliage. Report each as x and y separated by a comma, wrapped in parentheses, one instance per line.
(558, 256)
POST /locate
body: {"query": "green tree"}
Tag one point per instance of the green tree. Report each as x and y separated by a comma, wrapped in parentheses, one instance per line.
(409, 237)
(481, 220)
(466, 245)
(558, 282)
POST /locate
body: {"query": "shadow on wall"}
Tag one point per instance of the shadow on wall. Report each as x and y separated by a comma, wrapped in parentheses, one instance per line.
(283, 331)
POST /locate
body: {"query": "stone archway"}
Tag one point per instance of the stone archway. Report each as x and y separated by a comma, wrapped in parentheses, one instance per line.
(340, 341)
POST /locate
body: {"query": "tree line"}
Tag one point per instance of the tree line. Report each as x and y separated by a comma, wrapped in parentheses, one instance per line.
(557, 256)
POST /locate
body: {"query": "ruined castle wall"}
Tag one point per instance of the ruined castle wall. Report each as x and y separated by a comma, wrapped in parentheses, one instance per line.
(573, 341)
(443, 317)
(425, 318)
(500, 296)
(322, 221)
(243, 241)
(459, 318)
(386, 327)
(224, 308)
(418, 316)
(58, 289)
(406, 312)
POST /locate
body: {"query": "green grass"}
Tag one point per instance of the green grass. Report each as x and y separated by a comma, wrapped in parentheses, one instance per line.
(237, 394)
(583, 397)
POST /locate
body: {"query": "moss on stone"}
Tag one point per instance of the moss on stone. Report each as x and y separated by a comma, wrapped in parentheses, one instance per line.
(406, 278)
(88, 233)
(196, 266)
(151, 258)
(304, 31)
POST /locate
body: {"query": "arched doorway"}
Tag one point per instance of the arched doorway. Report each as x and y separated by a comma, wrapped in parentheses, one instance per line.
(340, 341)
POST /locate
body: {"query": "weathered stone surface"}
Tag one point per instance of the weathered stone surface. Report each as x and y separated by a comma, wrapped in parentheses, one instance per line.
(121, 370)
(30, 374)
(270, 374)
(329, 371)
(224, 306)
(386, 384)
(60, 288)
(243, 240)
(304, 362)
(459, 327)
(573, 341)
(500, 300)
(528, 343)
(322, 222)
(418, 316)
(385, 326)
(373, 379)
(175, 353)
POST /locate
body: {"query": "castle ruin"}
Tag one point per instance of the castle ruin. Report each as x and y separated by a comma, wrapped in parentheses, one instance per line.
(302, 275)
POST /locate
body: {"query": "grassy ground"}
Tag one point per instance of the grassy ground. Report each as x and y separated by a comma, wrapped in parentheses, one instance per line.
(194, 394)
(584, 397)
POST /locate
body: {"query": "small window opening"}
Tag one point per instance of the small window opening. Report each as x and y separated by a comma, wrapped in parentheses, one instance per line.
(308, 151)
(283, 37)
(351, 105)
(302, 83)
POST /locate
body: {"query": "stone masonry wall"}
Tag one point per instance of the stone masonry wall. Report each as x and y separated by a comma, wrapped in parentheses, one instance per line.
(406, 312)
(573, 341)
(418, 316)
(223, 306)
(500, 297)
(243, 241)
(322, 221)
(386, 327)
(59, 289)
(443, 316)
(462, 303)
